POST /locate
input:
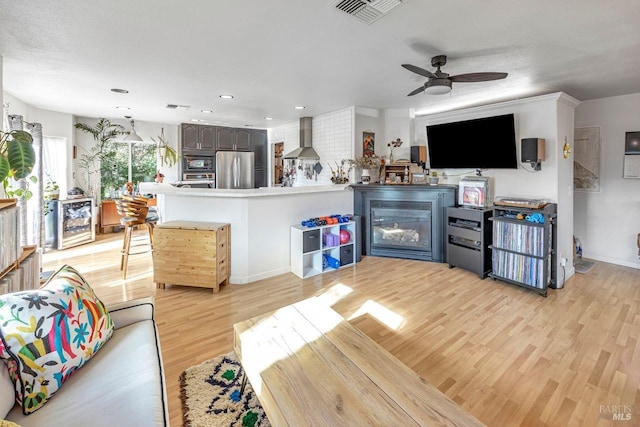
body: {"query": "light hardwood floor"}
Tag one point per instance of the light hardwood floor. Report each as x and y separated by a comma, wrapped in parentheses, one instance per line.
(507, 355)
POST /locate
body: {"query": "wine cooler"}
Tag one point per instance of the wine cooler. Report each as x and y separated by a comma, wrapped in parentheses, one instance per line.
(69, 223)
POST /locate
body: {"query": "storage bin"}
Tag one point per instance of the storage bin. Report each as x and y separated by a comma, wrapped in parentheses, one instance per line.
(346, 255)
(310, 241)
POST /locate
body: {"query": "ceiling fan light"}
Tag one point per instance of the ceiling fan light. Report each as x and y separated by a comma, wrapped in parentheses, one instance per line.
(438, 87)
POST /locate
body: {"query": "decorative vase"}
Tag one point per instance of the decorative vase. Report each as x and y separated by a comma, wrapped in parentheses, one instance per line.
(365, 177)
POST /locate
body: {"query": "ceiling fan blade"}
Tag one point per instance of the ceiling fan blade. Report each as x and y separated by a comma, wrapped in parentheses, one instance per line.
(477, 77)
(419, 70)
(420, 89)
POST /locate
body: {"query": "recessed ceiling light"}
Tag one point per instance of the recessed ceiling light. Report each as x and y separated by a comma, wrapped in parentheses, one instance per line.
(299, 107)
(268, 118)
(123, 108)
(119, 90)
(206, 111)
(226, 96)
(195, 120)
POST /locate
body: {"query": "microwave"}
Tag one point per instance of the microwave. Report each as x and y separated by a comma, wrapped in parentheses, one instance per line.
(198, 163)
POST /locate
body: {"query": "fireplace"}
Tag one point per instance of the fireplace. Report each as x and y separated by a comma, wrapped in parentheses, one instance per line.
(403, 221)
(401, 226)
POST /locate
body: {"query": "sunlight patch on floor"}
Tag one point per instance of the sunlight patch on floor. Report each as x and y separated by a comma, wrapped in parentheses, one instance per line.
(388, 317)
(334, 294)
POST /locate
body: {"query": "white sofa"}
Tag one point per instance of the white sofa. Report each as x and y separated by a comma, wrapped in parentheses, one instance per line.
(122, 385)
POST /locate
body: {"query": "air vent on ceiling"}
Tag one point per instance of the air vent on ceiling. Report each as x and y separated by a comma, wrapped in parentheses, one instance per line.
(177, 107)
(368, 11)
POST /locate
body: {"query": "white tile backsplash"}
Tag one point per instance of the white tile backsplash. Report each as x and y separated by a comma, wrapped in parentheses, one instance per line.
(333, 140)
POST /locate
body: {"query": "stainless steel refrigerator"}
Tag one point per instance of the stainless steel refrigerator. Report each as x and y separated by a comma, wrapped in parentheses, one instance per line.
(234, 169)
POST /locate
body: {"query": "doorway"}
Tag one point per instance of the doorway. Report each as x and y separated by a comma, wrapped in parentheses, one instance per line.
(278, 166)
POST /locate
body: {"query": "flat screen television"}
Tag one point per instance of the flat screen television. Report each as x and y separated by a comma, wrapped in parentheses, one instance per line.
(486, 143)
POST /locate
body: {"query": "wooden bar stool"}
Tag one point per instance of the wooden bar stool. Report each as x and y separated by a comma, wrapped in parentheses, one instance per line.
(134, 211)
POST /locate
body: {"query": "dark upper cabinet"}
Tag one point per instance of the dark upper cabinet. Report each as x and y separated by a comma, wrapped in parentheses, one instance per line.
(208, 138)
(243, 139)
(190, 136)
(224, 138)
(196, 138)
(259, 147)
(233, 139)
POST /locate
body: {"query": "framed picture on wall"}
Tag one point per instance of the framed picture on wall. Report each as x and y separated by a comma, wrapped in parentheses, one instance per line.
(631, 167)
(368, 143)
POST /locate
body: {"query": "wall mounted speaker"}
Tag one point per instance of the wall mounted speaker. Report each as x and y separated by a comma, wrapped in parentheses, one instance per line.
(419, 155)
(532, 151)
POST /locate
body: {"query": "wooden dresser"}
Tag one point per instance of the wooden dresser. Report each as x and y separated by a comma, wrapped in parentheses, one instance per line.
(191, 254)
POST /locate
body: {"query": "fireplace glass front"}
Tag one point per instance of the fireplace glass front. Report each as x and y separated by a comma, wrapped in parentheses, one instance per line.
(399, 227)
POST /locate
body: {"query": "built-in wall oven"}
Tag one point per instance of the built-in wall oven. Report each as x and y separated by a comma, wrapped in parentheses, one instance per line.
(198, 164)
(198, 167)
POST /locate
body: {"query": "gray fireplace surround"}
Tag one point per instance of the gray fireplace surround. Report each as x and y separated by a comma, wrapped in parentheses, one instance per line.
(404, 221)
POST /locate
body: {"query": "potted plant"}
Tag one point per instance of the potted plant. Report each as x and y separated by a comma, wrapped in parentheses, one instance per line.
(103, 132)
(51, 190)
(17, 158)
(165, 152)
(393, 144)
(433, 180)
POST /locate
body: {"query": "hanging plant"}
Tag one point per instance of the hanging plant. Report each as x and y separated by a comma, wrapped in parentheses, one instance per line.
(165, 152)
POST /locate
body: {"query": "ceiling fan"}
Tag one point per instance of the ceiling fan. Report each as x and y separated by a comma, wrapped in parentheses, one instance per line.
(440, 83)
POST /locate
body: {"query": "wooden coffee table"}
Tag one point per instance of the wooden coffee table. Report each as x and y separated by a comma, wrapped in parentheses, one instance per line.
(309, 366)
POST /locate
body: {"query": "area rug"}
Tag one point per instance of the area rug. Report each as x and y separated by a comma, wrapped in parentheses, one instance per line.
(210, 395)
(583, 266)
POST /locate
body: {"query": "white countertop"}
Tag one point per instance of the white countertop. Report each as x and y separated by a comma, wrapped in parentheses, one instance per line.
(168, 189)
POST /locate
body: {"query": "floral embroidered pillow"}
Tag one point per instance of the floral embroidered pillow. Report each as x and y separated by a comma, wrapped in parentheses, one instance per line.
(49, 333)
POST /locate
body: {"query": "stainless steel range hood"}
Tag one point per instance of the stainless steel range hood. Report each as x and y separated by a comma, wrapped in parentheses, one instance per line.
(305, 151)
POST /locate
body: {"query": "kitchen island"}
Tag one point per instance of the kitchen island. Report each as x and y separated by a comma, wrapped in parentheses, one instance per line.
(260, 219)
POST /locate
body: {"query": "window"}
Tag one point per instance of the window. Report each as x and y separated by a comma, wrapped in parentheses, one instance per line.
(127, 162)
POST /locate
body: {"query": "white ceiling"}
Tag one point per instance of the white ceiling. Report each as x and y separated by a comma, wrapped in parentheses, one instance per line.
(271, 55)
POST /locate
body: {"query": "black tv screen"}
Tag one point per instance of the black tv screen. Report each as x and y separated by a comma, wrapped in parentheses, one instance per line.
(487, 143)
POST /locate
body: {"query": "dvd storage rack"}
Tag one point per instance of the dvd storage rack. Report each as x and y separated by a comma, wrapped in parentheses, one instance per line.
(524, 246)
(19, 267)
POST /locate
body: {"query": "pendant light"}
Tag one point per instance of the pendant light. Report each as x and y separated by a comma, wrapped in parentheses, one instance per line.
(132, 136)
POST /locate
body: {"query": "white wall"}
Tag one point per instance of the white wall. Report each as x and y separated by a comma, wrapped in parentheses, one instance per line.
(549, 117)
(399, 123)
(369, 120)
(607, 222)
(16, 106)
(565, 121)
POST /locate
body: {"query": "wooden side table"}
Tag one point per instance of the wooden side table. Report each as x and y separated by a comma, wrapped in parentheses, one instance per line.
(191, 254)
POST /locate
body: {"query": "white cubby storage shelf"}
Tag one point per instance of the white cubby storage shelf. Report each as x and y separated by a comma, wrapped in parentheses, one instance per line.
(309, 244)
